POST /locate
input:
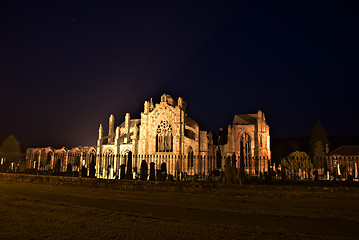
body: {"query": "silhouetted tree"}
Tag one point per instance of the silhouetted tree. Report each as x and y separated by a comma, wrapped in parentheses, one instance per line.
(10, 145)
(318, 134)
(10, 152)
(318, 155)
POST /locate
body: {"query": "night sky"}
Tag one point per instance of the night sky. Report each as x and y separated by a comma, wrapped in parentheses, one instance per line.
(65, 67)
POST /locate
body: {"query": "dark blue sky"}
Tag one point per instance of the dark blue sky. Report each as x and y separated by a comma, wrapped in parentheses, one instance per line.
(65, 67)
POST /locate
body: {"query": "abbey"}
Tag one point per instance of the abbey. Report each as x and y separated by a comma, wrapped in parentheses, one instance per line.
(165, 136)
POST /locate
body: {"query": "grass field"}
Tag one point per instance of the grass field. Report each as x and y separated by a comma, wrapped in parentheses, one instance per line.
(176, 211)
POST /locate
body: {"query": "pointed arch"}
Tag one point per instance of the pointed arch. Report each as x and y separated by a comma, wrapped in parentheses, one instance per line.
(190, 157)
(109, 158)
(245, 148)
(164, 137)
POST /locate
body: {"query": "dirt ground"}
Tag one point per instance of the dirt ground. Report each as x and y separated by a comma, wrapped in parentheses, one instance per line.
(50, 211)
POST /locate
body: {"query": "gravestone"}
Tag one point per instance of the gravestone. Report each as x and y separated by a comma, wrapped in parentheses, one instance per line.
(122, 171)
(92, 169)
(164, 167)
(57, 167)
(143, 170)
(129, 166)
(84, 171)
(316, 175)
(69, 170)
(163, 175)
(152, 171)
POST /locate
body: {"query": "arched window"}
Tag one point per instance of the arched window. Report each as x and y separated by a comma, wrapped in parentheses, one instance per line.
(245, 149)
(109, 158)
(164, 138)
(48, 158)
(76, 159)
(92, 157)
(190, 157)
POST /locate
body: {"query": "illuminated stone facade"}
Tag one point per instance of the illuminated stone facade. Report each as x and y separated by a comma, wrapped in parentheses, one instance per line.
(248, 138)
(164, 134)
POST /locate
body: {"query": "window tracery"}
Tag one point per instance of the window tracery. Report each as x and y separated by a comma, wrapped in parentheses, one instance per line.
(164, 137)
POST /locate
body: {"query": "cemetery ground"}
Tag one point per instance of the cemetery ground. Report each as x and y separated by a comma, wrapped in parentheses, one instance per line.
(43, 207)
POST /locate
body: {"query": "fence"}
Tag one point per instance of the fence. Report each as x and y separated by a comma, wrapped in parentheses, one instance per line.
(110, 164)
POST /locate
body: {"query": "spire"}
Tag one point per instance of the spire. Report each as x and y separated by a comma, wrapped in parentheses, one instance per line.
(117, 135)
(151, 105)
(100, 132)
(146, 107)
(111, 128)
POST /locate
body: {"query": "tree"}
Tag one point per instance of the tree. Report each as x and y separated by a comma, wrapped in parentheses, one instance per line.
(297, 160)
(318, 155)
(10, 151)
(318, 134)
(10, 145)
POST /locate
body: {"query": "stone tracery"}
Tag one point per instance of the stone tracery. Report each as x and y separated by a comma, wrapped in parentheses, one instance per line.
(164, 137)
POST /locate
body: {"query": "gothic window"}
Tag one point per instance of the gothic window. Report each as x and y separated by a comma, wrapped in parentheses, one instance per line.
(76, 160)
(109, 158)
(245, 149)
(48, 159)
(190, 157)
(164, 138)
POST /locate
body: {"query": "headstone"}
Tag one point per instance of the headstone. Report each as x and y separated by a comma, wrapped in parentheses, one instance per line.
(111, 173)
(143, 170)
(163, 174)
(122, 171)
(129, 165)
(164, 167)
(57, 167)
(69, 170)
(152, 171)
(92, 169)
(84, 171)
